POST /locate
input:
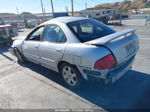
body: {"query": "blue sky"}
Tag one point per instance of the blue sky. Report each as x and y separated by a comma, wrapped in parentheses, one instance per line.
(34, 6)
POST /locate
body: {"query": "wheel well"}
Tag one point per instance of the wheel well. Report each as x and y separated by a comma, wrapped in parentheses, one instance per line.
(16, 48)
(61, 62)
(19, 50)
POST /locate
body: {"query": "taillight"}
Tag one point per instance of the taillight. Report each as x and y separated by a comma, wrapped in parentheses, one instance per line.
(106, 62)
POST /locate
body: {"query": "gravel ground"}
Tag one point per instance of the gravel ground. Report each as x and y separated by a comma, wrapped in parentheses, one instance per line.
(31, 86)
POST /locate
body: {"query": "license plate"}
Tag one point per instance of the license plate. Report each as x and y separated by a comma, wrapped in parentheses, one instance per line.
(130, 48)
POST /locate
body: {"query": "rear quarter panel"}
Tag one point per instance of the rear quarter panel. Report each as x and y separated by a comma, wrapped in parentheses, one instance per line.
(83, 54)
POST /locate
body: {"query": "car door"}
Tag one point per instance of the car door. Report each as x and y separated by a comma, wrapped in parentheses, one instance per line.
(31, 44)
(53, 45)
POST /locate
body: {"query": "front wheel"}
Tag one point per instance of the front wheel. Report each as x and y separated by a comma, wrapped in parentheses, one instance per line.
(71, 75)
(20, 57)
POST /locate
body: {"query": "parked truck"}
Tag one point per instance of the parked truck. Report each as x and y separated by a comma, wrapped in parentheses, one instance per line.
(6, 32)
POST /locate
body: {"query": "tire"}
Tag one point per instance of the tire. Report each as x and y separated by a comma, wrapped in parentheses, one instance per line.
(20, 57)
(71, 76)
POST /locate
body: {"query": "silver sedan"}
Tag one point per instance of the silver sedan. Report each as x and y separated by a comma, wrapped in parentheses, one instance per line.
(79, 48)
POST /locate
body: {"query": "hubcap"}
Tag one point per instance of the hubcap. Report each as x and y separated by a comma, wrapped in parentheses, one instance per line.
(69, 76)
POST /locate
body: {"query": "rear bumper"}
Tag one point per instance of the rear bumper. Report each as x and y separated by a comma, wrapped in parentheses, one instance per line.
(111, 75)
(119, 71)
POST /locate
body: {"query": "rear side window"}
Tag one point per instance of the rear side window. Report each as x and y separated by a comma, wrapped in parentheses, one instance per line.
(89, 29)
(54, 33)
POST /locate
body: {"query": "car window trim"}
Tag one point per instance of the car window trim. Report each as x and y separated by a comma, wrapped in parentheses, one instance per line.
(33, 32)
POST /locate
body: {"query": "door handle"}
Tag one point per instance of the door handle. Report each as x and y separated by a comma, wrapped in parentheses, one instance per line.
(59, 50)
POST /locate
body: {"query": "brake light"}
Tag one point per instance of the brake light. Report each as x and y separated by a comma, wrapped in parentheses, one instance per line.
(106, 62)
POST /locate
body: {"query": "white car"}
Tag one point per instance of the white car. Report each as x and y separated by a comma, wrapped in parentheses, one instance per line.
(78, 48)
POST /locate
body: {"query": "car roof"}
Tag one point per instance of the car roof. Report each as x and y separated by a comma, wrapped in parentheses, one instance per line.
(65, 19)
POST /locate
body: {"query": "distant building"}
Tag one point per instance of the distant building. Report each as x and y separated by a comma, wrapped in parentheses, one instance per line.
(102, 15)
(9, 17)
(144, 10)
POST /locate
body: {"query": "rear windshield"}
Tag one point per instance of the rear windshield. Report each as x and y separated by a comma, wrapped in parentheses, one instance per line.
(89, 29)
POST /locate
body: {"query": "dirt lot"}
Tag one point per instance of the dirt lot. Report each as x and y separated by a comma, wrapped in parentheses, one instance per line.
(31, 86)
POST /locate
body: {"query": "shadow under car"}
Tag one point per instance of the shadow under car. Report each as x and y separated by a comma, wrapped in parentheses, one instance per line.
(132, 91)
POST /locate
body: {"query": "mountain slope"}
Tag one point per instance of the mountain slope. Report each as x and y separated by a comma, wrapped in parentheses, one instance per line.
(125, 5)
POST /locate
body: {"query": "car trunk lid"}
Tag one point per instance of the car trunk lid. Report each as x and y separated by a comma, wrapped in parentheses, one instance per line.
(123, 44)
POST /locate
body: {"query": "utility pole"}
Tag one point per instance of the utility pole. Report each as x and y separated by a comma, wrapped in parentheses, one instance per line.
(85, 5)
(52, 7)
(44, 13)
(42, 8)
(18, 14)
(72, 6)
(66, 9)
(120, 18)
(17, 10)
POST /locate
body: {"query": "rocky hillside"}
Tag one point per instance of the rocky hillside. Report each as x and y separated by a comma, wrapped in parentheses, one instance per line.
(125, 5)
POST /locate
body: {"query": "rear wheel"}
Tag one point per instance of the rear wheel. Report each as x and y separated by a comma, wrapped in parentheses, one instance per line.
(20, 57)
(71, 75)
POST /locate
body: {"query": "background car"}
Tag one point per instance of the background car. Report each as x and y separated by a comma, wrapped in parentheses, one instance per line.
(78, 48)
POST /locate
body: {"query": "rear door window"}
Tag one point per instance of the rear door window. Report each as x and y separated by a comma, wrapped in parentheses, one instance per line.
(54, 33)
